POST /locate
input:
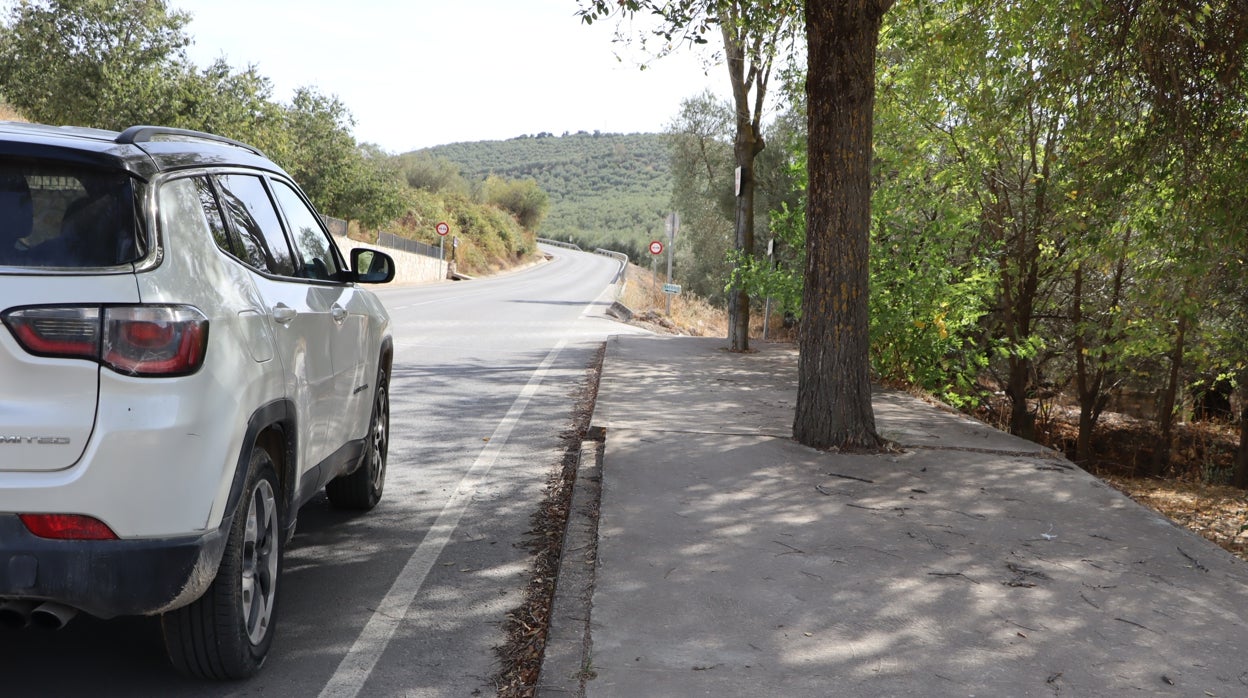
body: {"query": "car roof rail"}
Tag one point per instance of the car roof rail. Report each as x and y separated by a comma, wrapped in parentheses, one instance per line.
(146, 134)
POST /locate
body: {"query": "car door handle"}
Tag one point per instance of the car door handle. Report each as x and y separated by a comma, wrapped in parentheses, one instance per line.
(283, 313)
(338, 312)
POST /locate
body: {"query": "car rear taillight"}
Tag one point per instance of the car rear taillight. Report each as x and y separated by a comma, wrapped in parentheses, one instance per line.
(68, 332)
(139, 340)
(154, 340)
(67, 527)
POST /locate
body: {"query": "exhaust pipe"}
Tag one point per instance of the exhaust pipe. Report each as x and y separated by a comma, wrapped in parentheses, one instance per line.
(52, 616)
(15, 613)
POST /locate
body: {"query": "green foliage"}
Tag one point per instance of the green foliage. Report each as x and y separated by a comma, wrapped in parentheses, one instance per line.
(1076, 168)
(377, 194)
(523, 198)
(780, 277)
(703, 172)
(91, 62)
(925, 305)
(216, 99)
(341, 177)
(753, 34)
(434, 174)
(691, 21)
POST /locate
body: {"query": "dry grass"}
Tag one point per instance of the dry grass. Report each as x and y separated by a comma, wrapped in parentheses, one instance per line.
(8, 113)
(1202, 456)
(690, 314)
(1217, 512)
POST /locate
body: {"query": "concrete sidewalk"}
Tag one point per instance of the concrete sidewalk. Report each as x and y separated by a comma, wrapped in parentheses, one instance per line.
(732, 561)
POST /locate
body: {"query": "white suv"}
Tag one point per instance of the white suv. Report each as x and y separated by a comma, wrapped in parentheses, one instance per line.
(185, 360)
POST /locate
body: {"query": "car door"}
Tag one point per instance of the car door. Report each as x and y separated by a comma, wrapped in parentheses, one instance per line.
(350, 353)
(302, 321)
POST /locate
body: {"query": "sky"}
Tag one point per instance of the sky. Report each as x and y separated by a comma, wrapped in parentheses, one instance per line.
(419, 73)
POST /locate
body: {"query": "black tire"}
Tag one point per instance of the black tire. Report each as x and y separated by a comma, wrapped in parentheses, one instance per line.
(227, 632)
(362, 488)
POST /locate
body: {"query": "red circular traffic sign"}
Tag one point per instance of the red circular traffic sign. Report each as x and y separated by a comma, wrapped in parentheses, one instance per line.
(442, 228)
(656, 247)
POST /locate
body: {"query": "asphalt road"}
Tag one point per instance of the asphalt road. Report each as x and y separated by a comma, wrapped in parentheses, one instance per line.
(409, 599)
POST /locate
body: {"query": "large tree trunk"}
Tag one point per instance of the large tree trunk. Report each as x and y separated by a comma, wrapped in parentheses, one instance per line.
(747, 144)
(747, 147)
(834, 380)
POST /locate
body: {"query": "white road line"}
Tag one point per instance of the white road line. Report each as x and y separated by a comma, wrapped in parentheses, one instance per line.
(357, 665)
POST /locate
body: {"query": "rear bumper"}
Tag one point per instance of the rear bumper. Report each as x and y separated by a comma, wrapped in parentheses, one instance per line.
(108, 578)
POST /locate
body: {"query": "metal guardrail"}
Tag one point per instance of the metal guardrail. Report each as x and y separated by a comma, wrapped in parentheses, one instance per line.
(618, 256)
(619, 281)
(556, 243)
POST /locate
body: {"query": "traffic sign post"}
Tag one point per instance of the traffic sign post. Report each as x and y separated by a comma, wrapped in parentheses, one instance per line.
(673, 227)
(656, 249)
(442, 229)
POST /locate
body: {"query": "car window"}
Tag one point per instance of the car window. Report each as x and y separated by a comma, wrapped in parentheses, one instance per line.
(61, 217)
(213, 217)
(190, 205)
(312, 243)
(255, 221)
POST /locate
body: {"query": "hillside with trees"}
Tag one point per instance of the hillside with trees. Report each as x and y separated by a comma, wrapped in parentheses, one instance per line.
(605, 189)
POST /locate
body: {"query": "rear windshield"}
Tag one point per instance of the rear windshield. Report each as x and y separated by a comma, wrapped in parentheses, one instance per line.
(58, 217)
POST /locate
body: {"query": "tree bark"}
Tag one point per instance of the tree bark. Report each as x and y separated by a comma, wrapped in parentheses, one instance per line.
(1169, 398)
(1093, 394)
(747, 147)
(834, 380)
(1087, 387)
(1020, 307)
(1241, 456)
(747, 144)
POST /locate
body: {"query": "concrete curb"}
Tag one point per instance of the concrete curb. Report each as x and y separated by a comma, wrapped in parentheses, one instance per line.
(567, 661)
(620, 312)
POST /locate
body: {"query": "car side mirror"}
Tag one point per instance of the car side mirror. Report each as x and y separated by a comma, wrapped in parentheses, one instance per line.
(372, 266)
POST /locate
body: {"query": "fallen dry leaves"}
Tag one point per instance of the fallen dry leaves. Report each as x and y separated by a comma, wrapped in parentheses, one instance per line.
(1202, 453)
(1217, 512)
(526, 627)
